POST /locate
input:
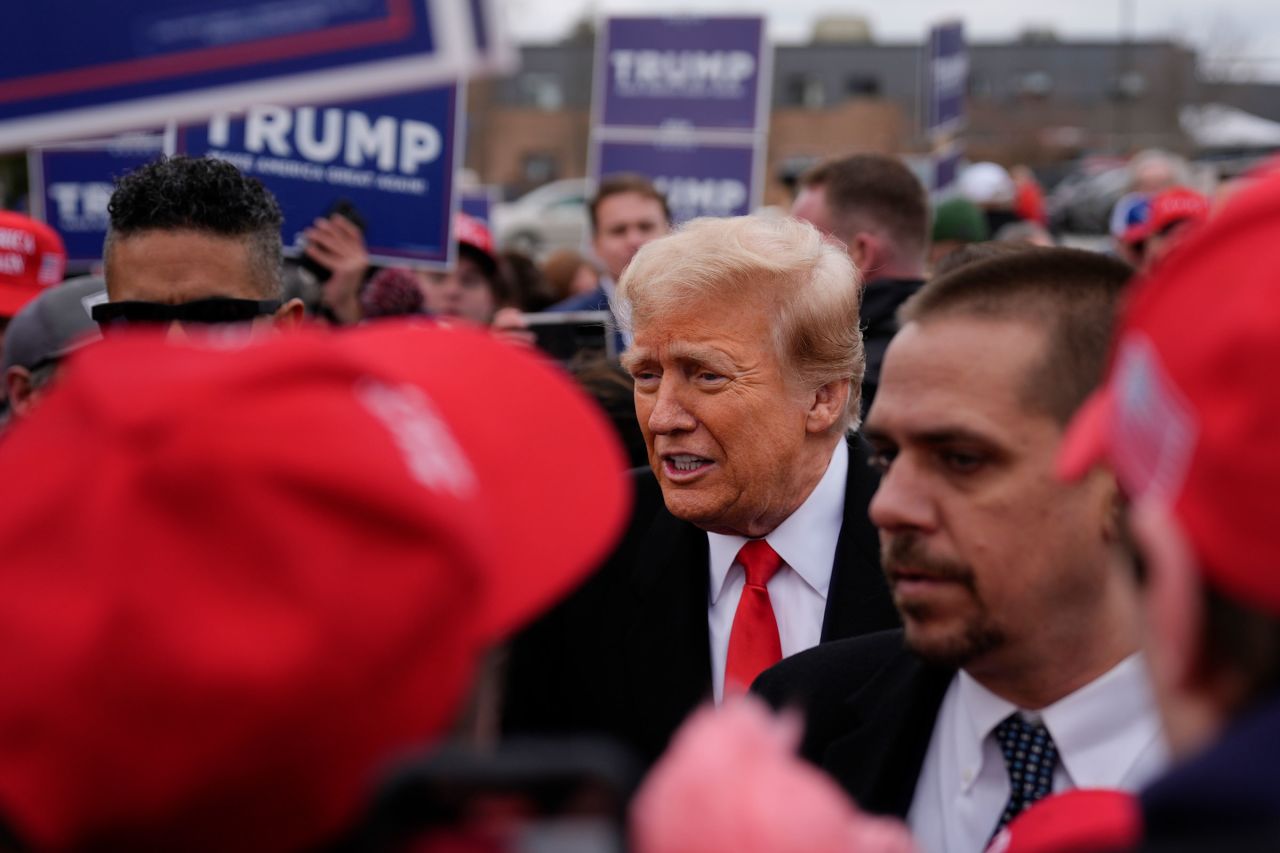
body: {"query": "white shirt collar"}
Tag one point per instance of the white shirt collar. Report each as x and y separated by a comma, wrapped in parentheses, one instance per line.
(806, 540)
(1100, 730)
(1118, 706)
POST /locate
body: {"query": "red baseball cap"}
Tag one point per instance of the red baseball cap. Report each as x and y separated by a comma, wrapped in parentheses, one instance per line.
(32, 257)
(1188, 413)
(241, 575)
(1169, 207)
(472, 232)
(1072, 821)
(474, 235)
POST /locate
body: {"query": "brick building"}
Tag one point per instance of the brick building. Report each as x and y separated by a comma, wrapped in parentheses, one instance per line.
(1035, 100)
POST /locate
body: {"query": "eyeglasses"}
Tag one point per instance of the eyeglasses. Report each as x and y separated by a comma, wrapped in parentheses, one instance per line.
(216, 311)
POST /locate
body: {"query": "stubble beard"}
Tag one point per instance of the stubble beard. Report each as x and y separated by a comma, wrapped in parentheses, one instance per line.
(977, 636)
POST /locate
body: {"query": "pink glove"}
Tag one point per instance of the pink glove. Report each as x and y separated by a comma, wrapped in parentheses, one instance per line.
(731, 780)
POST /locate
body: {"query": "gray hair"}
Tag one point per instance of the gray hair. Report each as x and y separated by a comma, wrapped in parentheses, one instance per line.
(815, 290)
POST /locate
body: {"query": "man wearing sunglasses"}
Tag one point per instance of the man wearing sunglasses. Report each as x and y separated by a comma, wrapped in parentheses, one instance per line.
(193, 241)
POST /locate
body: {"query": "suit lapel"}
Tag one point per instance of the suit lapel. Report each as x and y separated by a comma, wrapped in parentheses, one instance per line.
(858, 601)
(890, 722)
(666, 644)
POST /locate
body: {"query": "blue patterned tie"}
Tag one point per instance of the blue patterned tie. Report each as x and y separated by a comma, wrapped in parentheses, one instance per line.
(1030, 757)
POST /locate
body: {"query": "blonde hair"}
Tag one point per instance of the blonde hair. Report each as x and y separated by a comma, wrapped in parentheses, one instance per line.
(813, 287)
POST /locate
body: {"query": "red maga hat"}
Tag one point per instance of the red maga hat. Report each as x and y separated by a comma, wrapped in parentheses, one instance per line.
(1167, 208)
(1074, 821)
(1189, 413)
(32, 257)
(472, 232)
(240, 575)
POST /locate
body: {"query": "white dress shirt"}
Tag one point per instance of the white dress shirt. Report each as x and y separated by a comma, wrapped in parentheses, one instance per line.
(1107, 733)
(806, 542)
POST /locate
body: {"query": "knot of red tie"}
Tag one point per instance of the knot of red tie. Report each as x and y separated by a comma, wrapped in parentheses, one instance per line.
(759, 561)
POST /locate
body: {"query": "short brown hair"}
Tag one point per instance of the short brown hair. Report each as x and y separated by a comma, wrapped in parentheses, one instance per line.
(1239, 643)
(626, 182)
(1072, 293)
(972, 253)
(873, 188)
(1241, 640)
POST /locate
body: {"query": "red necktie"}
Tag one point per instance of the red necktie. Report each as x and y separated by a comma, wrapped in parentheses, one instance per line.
(753, 641)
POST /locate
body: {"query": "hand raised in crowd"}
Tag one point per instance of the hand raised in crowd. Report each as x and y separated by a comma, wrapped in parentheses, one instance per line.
(338, 244)
(509, 324)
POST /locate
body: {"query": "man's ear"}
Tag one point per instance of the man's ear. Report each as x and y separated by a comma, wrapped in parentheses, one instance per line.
(827, 407)
(1111, 508)
(289, 315)
(862, 250)
(17, 381)
(868, 253)
(1173, 600)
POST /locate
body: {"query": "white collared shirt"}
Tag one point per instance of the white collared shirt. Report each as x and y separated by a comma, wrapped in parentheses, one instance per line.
(1107, 733)
(806, 542)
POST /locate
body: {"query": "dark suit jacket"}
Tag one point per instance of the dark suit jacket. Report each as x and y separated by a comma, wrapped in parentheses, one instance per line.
(593, 301)
(869, 707)
(629, 654)
(1224, 797)
(881, 299)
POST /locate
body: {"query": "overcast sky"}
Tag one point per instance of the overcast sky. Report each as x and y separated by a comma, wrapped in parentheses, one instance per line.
(1246, 30)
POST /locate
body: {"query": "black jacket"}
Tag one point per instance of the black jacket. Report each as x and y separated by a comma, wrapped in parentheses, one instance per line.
(869, 707)
(1225, 798)
(629, 654)
(880, 303)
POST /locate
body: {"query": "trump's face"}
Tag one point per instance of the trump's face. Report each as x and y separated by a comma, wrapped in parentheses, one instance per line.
(734, 439)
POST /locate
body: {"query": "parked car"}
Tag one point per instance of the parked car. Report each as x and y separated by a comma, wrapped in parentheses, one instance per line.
(554, 216)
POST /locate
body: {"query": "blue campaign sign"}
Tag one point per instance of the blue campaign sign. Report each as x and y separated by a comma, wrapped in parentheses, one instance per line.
(77, 69)
(495, 51)
(70, 187)
(702, 73)
(698, 179)
(393, 158)
(948, 77)
(478, 202)
(946, 167)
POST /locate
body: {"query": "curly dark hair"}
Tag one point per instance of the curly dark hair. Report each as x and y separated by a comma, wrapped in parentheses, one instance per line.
(201, 194)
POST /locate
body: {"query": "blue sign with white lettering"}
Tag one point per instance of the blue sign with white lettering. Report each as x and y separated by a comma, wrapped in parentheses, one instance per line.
(948, 77)
(697, 179)
(691, 72)
(393, 158)
(495, 50)
(71, 186)
(946, 167)
(74, 69)
(684, 100)
(478, 202)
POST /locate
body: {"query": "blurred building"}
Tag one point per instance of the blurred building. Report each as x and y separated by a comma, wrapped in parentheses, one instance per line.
(532, 127)
(1260, 99)
(1035, 100)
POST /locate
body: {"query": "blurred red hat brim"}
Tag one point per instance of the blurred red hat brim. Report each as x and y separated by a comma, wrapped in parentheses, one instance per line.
(1085, 443)
(1081, 820)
